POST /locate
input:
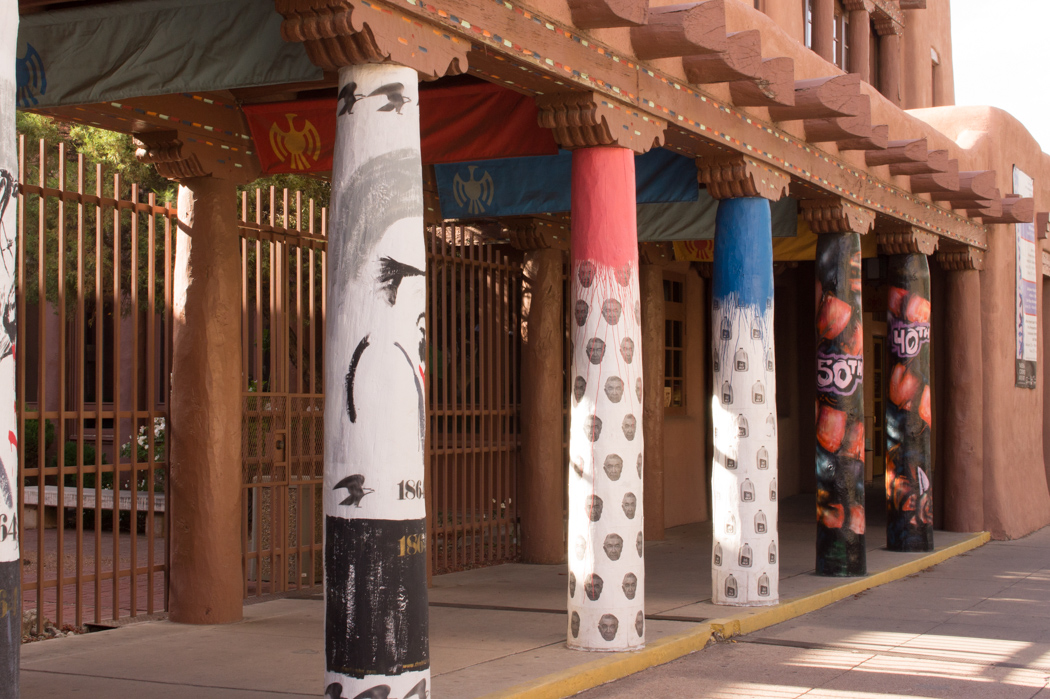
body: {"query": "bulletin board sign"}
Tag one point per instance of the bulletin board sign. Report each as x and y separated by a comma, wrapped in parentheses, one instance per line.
(1026, 311)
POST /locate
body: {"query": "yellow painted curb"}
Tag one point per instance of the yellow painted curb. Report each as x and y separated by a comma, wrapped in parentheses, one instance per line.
(753, 620)
(612, 667)
(619, 665)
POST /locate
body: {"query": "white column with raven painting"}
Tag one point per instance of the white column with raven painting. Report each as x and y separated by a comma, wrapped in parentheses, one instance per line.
(606, 600)
(376, 617)
(10, 559)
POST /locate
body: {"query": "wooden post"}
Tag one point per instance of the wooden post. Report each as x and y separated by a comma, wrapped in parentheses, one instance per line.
(909, 477)
(541, 495)
(840, 407)
(890, 67)
(653, 319)
(10, 557)
(375, 351)
(963, 420)
(824, 29)
(860, 44)
(205, 406)
(606, 570)
(745, 568)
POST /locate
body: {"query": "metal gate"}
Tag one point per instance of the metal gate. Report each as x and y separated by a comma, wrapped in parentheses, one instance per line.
(474, 399)
(282, 428)
(94, 314)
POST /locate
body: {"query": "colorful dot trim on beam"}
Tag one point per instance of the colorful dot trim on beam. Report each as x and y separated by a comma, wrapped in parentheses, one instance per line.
(535, 58)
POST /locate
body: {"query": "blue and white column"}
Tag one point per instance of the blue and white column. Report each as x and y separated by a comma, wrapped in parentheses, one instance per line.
(745, 561)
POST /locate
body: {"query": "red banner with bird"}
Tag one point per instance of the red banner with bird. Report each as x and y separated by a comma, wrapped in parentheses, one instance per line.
(462, 122)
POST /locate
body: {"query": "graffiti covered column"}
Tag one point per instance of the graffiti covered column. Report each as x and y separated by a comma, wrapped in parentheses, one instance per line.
(606, 591)
(10, 560)
(963, 419)
(909, 417)
(376, 618)
(840, 381)
(745, 568)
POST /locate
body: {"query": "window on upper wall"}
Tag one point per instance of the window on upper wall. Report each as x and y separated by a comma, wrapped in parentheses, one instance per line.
(758, 5)
(840, 35)
(808, 23)
(936, 82)
(674, 343)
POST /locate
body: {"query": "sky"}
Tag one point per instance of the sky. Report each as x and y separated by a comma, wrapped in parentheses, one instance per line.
(1000, 50)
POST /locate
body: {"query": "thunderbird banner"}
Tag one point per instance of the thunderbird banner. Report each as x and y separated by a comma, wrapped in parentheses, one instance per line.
(466, 122)
(521, 186)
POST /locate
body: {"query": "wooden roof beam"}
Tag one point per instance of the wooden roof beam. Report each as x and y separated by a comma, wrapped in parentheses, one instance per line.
(936, 162)
(913, 150)
(988, 209)
(601, 14)
(976, 184)
(929, 182)
(879, 139)
(682, 30)
(1014, 210)
(776, 86)
(741, 60)
(823, 98)
(913, 4)
(841, 129)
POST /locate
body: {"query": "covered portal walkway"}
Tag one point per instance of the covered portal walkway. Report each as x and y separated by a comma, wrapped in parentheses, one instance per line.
(492, 629)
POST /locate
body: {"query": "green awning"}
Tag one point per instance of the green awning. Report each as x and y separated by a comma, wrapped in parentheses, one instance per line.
(122, 50)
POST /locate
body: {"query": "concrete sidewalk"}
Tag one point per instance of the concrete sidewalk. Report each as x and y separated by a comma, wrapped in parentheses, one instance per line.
(975, 626)
(494, 631)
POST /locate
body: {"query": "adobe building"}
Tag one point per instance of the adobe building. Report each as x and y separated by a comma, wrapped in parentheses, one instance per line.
(705, 164)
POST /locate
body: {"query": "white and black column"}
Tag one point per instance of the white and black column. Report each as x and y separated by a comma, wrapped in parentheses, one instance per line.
(10, 559)
(376, 617)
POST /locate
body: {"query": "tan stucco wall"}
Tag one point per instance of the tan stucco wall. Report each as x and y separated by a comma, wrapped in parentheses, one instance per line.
(1015, 479)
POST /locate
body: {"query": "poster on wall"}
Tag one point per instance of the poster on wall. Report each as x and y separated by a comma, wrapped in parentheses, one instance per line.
(1025, 314)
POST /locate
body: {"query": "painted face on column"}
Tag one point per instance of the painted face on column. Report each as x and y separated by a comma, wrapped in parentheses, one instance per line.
(389, 356)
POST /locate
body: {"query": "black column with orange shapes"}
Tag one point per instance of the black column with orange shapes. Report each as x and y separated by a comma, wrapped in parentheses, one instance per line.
(376, 616)
(840, 407)
(10, 559)
(909, 477)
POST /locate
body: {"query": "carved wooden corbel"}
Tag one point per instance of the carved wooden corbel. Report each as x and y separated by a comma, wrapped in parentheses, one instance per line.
(905, 240)
(887, 17)
(169, 154)
(582, 119)
(737, 176)
(961, 258)
(339, 33)
(836, 215)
